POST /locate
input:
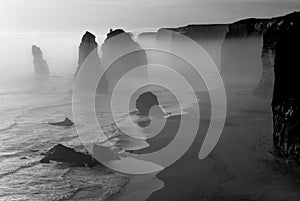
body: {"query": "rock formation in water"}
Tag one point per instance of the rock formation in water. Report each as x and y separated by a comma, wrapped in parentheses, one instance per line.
(61, 153)
(66, 122)
(286, 96)
(146, 102)
(88, 48)
(120, 54)
(39, 63)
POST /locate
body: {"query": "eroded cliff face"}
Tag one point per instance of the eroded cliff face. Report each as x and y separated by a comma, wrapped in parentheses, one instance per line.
(249, 50)
(286, 96)
(241, 51)
(210, 37)
(121, 54)
(88, 48)
(39, 63)
(275, 29)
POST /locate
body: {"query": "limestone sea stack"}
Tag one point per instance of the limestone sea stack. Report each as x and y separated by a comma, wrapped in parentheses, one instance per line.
(39, 63)
(121, 54)
(148, 102)
(88, 51)
(286, 96)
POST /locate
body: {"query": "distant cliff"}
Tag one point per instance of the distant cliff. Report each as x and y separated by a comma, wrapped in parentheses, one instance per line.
(210, 37)
(202, 32)
(120, 54)
(39, 63)
(89, 48)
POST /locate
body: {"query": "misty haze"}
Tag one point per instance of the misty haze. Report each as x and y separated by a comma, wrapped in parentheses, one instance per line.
(148, 100)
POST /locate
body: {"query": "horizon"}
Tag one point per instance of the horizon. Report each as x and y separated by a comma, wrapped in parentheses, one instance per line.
(75, 16)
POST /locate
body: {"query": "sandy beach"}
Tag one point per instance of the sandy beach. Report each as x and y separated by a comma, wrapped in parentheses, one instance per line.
(241, 167)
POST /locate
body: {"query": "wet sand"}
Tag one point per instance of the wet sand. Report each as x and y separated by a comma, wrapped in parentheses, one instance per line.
(240, 167)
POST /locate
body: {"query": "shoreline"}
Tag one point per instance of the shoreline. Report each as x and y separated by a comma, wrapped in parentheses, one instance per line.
(252, 174)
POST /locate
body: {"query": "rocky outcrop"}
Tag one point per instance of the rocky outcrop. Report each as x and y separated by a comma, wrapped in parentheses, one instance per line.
(146, 102)
(39, 63)
(61, 153)
(89, 48)
(66, 122)
(120, 54)
(286, 96)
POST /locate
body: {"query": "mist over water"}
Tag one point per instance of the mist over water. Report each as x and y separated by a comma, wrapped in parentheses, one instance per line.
(29, 101)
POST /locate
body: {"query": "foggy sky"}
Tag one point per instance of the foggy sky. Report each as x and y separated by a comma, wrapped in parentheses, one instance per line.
(30, 16)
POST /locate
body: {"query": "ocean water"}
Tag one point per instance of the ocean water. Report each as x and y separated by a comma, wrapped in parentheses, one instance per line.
(27, 103)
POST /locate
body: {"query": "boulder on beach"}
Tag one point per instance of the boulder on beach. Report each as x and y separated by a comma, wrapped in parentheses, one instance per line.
(146, 102)
(40, 64)
(61, 153)
(66, 122)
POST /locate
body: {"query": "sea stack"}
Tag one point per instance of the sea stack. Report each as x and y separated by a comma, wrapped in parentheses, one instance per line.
(286, 96)
(89, 48)
(146, 102)
(39, 63)
(121, 54)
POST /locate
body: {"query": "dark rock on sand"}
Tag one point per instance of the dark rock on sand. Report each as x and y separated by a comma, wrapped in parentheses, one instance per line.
(89, 47)
(61, 153)
(145, 102)
(66, 122)
(40, 64)
(286, 96)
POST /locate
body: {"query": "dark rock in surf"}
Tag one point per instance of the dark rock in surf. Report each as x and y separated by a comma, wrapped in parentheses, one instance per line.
(39, 63)
(66, 122)
(145, 102)
(61, 153)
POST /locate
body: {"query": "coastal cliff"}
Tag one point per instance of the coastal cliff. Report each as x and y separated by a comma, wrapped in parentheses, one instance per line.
(286, 97)
(39, 63)
(241, 50)
(210, 37)
(249, 49)
(275, 29)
